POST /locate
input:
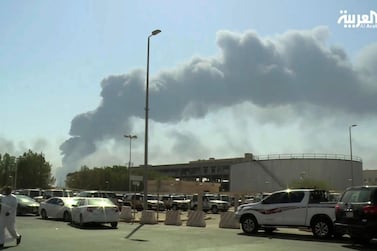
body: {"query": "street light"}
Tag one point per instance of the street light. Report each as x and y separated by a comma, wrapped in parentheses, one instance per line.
(131, 137)
(145, 177)
(349, 130)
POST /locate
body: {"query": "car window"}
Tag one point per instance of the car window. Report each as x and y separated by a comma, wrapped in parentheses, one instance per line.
(352, 196)
(318, 196)
(57, 201)
(34, 193)
(274, 198)
(57, 193)
(295, 197)
(285, 197)
(81, 202)
(51, 201)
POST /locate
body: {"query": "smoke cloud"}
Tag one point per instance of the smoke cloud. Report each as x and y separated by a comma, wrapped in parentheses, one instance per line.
(268, 80)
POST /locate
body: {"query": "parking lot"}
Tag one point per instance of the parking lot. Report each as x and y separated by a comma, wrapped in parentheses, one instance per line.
(57, 235)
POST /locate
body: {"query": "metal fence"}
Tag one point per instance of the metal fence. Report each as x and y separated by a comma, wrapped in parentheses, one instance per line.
(307, 156)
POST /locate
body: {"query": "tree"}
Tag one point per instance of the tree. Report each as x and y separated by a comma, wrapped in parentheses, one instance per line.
(309, 183)
(33, 171)
(7, 170)
(115, 178)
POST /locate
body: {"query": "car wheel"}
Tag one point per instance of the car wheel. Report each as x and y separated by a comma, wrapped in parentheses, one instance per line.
(249, 224)
(214, 210)
(114, 224)
(67, 216)
(44, 214)
(322, 228)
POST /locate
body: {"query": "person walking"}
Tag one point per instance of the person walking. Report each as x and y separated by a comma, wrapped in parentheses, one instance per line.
(8, 212)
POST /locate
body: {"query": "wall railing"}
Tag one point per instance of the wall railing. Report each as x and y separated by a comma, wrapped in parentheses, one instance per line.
(307, 156)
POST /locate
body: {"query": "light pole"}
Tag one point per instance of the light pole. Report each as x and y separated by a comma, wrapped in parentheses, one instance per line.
(145, 177)
(131, 137)
(350, 134)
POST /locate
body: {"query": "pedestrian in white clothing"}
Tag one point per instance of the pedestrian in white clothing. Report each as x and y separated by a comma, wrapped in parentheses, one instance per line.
(8, 214)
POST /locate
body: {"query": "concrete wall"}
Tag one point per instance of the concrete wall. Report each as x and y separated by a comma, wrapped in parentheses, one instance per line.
(276, 174)
(186, 187)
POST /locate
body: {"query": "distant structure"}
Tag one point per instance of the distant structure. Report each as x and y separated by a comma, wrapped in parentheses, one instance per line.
(182, 187)
(267, 173)
(370, 177)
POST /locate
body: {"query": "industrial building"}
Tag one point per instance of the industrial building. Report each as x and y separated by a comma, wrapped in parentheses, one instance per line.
(270, 172)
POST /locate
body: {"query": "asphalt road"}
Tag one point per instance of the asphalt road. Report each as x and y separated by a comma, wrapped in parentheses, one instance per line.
(52, 235)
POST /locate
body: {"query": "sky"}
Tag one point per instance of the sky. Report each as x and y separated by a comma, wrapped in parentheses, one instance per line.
(226, 78)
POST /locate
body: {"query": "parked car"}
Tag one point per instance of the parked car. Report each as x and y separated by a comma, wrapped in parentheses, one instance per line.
(356, 213)
(57, 207)
(180, 202)
(48, 193)
(102, 194)
(209, 203)
(154, 203)
(26, 205)
(225, 197)
(289, 208)
(95, 210)
(134, 200)
(35, 193)
(334, 196)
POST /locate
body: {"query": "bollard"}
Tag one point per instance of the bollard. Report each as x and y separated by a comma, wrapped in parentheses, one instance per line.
(148, 217)
(196, 219)
(126, 214)
(173, 217)
(228, 220)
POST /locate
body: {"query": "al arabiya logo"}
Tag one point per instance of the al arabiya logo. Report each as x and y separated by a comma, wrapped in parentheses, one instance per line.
(364, 21)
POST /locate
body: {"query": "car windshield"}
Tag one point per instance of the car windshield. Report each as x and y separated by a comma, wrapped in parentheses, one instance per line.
(100, 202)
(356, 196)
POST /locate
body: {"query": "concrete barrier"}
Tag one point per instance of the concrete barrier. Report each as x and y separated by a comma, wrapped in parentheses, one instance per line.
(173, 217)
(196, 219)
(228, 220)
(126, 214)
(148, 217)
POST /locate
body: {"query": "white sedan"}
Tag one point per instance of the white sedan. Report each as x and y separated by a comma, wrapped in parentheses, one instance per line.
(95, 210)
(57, 207)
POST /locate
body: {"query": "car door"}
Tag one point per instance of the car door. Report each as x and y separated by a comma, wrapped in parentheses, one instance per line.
(284, 208)
(55, 207)
(269, 208)
(49, 206)
(76, 208)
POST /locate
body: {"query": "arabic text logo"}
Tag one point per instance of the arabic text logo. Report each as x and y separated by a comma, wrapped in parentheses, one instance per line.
(366, 21)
